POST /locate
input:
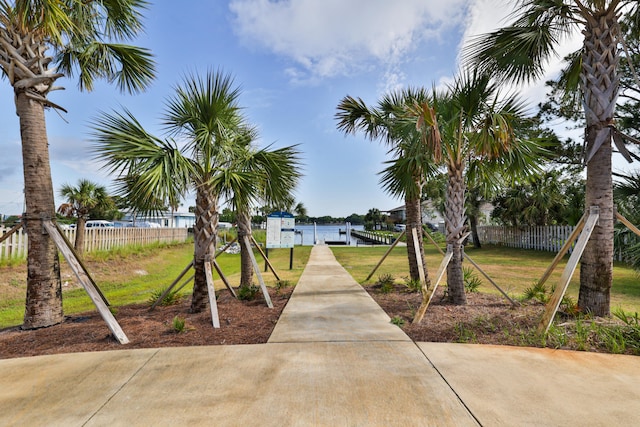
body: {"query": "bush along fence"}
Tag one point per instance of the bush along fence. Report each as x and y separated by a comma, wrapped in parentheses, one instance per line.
(96, 239)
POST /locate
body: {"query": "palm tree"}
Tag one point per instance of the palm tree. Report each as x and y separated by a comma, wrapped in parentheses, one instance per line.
(81, 200)
(478, 131)
(519, 53)
(405, 175)
(215, 160)
(301, 211)
(39, 43)
(254, 176)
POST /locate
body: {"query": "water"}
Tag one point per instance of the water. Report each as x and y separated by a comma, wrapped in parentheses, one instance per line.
(324, 233)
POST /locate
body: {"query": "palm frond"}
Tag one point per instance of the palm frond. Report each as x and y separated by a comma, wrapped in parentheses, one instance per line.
(206, 112)
(153, 168)
(131, 68)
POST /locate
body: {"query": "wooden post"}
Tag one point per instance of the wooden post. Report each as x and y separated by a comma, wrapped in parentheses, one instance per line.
(416, 247)
(223, 277)
(556, 298)
(213, 304)
(628, 223)
(10, 232)
(489, 279)
(426, 301)
(185, 283)
(434, 243)
(88, 285)
(565, 248)
(166, 291)
(266, 259)
(393, 245)
(78, 259)
(256, 268)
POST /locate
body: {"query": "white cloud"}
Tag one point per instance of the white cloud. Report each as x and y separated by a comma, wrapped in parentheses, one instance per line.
(327, 38)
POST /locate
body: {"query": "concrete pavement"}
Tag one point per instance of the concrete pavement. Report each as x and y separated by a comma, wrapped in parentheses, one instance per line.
(333, 360)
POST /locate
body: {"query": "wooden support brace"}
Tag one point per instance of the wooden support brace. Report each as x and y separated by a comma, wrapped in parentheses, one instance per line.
(416, 248)
(92, 290)
(223, 277)
(186, 282)
(556, 298)
(213, 304)
(78, 259)
(8, 234)
(256, 268)
(563, 250)
(439, 275)
(166, 291)
(628, 223)
(386, 254)
(273, 270)
(434, 243)
(513, 303)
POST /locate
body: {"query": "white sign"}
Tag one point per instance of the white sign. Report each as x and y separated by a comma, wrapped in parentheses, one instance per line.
(280, 230)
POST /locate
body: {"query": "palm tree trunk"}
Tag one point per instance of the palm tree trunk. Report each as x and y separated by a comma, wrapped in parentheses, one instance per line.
(454, 223)
(44, 288)
(204, 242)
(80, 230)
(600, 84)
(473, 223)
(246, 265)
(414, 219)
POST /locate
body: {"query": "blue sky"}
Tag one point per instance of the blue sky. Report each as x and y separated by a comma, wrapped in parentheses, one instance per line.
(294, 60)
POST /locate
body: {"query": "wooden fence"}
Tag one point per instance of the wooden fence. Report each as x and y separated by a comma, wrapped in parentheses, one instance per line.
(96, 239)
(541, 238)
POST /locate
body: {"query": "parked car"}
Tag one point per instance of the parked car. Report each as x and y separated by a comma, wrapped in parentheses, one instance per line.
(400, 227)
(147, 224)
(99, 223)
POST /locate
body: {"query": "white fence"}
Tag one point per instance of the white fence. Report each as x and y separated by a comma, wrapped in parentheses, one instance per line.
(541, 238)
(96, 239)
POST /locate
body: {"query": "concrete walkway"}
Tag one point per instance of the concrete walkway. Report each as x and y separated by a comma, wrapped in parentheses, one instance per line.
(333, 360)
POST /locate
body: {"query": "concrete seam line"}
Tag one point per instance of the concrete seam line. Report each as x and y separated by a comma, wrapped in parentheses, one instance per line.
(448, 384)
(121, 387)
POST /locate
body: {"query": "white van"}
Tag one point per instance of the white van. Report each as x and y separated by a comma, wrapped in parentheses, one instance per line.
(99, 223)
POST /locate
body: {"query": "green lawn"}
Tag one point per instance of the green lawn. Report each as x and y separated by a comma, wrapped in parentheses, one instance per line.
(513, 270)
(128, 276)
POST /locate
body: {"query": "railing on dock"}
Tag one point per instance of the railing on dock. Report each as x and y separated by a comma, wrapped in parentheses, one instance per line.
(372, 237)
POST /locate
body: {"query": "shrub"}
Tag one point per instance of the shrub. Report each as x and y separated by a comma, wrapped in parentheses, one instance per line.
(178, 324)
(247, 292)
(171, 298)
(569, 306)
(386, 283)
(413, 285)
(471, 280)
(537, 292)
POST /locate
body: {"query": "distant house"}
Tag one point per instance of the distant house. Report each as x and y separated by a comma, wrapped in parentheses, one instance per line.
(431, 215)
(164, 219)
(398, 214)
(168, 219)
